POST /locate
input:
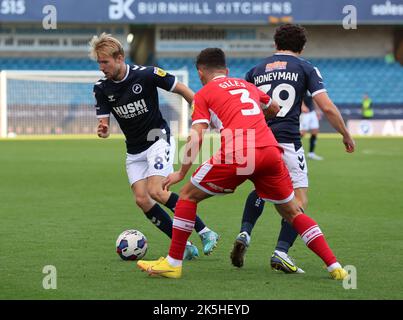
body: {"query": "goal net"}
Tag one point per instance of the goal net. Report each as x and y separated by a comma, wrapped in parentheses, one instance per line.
(62, 102)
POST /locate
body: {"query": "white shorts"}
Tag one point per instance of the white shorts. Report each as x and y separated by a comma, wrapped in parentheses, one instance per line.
(309, 121)
(157, 160)
(296, 165)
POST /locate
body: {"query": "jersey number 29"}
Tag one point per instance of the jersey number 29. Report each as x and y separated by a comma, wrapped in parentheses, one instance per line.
(285, 104)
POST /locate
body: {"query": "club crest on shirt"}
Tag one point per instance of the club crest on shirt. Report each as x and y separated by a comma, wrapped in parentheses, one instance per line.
(276, 65)
(160, 72)
(137, 88)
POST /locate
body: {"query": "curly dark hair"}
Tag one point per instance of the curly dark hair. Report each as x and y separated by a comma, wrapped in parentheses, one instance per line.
(211, 58)
(290, 37)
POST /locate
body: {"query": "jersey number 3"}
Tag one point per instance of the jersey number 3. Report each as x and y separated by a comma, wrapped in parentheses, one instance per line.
(245, 98)
(285, 104)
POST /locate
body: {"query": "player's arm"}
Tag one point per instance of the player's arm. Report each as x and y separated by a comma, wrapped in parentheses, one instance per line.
(269, 106)
(103, 112)
(184, 91)
(201, 119)
(169, 82)
(193, 145)
(317, 110)
(270, 111)
(192, 148)
(103, 127)
(334, 117)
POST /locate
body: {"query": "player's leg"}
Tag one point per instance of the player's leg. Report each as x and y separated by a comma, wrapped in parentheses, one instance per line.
(296, 165)
(312, 144)
(184, 220)
(303, 124)
(276, 186)
(208, 237)
(287, 233)
(314, 128)
(160, 164)
(208, 180)
(137, 168)
(152, 210)
(313, 237)
(294, 159)
(252, 211)
(183, 224)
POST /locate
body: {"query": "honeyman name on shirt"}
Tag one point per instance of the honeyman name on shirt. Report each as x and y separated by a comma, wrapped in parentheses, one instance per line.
(272, 76)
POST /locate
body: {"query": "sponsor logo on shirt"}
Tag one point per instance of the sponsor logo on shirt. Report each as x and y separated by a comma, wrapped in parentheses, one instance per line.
(160, 72)
(276, 65)
(131, 110)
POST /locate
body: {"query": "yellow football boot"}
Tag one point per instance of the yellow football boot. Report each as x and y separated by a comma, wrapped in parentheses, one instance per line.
(164, 269)
(338, 274)
(144, 265)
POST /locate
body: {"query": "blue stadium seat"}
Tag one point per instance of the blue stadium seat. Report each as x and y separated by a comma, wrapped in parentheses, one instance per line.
(346, 79)
(52, 63)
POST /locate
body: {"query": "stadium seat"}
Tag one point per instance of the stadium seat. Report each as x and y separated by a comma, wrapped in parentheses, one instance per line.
(47, 64)
(346, 79)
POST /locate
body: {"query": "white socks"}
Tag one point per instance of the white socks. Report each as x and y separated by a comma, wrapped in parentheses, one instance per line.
(174, 262)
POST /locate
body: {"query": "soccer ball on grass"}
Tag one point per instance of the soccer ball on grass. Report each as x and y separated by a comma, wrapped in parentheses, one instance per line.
(131, 245)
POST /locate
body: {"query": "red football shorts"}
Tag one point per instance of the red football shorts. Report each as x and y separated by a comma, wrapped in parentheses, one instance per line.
(263, 166)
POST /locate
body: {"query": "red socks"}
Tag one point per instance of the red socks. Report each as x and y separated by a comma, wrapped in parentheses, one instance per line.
(182, 227)
(184, 219)
(312, 236)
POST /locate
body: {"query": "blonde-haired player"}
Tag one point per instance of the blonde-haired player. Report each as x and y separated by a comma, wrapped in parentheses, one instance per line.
(129, 92)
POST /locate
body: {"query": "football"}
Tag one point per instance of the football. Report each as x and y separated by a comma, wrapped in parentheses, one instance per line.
(131, 245)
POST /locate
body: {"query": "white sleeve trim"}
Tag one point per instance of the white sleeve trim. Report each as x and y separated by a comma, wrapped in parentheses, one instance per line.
(201, 121)
(174, 85)
(270, 101)
(266, 106)
(103, 116)
(317, 92)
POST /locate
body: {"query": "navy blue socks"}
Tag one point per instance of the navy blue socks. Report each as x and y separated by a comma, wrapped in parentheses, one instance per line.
(253, 209)
(160, 219)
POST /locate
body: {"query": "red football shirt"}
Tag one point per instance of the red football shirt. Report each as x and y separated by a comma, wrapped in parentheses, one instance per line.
(233, 106)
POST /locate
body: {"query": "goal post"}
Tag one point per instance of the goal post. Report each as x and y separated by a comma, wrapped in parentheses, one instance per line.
(3, 104)
(62, 102)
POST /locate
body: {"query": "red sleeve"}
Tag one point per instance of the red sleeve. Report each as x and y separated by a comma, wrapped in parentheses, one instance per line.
(201, 113)
(264, 97)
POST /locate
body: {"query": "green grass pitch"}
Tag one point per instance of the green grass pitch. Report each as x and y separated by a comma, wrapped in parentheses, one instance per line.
(64, 202)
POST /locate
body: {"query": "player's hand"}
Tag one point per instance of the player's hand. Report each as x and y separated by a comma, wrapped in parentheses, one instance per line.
(103, 130)
(349, 143)
(271, 111)
(172, 179)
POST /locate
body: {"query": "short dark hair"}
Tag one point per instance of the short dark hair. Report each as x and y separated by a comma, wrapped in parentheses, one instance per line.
(211, 58)
(290, 37)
